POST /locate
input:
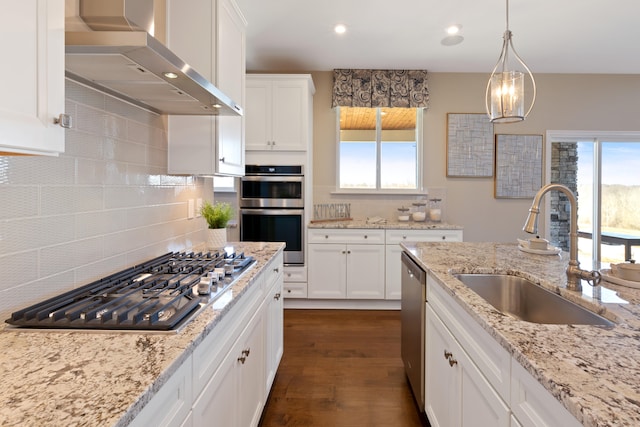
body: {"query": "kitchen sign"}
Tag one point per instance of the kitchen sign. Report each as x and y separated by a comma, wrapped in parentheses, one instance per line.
(332, 212)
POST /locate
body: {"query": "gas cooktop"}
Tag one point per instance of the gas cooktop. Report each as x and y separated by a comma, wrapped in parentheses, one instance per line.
(162, 294)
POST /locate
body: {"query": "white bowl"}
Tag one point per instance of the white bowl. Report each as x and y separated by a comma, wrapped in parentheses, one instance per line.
(627, 271)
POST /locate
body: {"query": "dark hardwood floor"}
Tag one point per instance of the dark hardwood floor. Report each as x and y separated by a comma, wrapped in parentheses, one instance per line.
(341, 368)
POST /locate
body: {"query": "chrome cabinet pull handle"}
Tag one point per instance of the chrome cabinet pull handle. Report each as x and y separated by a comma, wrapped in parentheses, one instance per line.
(64, 120)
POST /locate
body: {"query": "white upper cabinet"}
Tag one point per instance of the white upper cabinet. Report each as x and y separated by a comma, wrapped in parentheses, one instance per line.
(32, 78)
(210, 37)
(279, 112)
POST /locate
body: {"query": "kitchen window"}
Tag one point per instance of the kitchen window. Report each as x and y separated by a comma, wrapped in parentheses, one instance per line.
(379, 149)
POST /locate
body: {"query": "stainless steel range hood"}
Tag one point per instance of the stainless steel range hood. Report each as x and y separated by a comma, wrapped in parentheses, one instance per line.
(119, 56)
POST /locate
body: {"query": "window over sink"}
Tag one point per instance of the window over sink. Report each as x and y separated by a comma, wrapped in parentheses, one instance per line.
(379, 149)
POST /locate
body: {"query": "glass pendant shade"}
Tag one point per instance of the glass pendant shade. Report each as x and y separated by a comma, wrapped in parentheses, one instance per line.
(505, 97)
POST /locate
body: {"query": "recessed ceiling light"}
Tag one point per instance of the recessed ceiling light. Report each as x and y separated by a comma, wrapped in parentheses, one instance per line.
(454, 29)
(170, 75)
(340, 29)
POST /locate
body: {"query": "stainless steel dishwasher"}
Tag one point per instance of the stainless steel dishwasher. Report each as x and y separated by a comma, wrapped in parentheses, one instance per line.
(414, 296)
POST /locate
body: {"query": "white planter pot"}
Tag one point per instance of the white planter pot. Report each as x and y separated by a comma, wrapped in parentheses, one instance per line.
(216, 238)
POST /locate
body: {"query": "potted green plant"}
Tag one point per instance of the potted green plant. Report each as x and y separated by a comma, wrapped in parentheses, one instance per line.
(217, 216)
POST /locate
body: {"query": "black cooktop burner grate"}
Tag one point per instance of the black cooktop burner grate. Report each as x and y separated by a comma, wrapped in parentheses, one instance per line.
(155, 295)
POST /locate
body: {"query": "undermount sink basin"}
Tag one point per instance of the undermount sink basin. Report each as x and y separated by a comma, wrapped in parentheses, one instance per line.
(525, 300)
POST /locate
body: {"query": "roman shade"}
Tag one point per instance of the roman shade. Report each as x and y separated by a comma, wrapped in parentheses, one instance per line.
(380, 88)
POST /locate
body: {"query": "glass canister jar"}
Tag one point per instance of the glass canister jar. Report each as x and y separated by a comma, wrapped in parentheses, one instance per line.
(435, 212)
(419, 211)
(403, 214)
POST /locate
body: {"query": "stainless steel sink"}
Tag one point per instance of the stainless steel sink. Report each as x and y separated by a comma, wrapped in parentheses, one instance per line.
(525, 300)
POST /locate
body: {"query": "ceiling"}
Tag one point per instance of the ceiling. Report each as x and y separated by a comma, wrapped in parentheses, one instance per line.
(552, 36)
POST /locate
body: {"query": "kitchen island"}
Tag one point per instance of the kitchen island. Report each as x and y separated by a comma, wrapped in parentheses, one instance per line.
(86, 378)
(594, 372)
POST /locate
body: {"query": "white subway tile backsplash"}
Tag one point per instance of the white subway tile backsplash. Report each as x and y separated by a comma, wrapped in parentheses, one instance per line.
(18, 268)
(103, 205)
(18, 202)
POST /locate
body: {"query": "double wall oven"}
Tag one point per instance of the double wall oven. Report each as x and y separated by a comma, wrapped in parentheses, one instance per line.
(272, 208)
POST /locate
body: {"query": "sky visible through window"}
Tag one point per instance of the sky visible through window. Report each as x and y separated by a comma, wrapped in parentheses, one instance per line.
(620, 163)
(358, 164)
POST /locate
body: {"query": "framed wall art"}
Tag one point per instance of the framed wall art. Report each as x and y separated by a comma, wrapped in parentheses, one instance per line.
(518, 166)
(469, 145)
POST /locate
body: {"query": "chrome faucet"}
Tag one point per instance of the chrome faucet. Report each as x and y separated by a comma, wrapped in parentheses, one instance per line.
(574, 273)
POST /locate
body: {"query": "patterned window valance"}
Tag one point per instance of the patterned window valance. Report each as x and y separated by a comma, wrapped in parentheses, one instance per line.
(380, 88)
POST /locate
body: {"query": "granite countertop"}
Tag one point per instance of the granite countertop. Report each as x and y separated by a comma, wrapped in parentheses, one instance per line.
(80, 378)
(593, 371)
(400, 225)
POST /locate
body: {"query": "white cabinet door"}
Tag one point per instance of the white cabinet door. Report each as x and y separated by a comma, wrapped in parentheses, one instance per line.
(327, 271)
(235, 394)
(230, 78)
(258, 114)
(274, 322)
(218, 402)
(208, 144)
(442, 381)
(457, 394)
(289, 108)
(252, 373)
(33, 92)
(365, 271)
(278, 112)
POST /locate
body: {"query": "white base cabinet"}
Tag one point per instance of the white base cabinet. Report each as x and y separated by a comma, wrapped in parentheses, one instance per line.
(470, 380)
(229, 375)
(232, 397)
(458, 393)
(346, 264)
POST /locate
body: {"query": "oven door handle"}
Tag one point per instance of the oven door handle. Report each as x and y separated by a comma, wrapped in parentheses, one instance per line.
(271, 178)
(272, 211)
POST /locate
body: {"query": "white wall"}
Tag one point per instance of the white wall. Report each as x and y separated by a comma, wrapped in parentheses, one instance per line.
(103, 205)
(565, 102)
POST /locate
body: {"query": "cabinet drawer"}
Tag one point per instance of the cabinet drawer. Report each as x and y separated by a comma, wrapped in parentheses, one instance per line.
(399, 236)
(295, 274)
(295, 290)
(356, 235)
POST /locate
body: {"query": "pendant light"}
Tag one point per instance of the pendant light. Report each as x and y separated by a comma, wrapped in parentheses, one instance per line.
(504, 98)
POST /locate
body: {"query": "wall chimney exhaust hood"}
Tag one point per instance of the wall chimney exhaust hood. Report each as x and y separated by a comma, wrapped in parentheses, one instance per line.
(119, 56)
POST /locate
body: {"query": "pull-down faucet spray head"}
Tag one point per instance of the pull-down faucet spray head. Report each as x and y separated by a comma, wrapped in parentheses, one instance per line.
(531, 225)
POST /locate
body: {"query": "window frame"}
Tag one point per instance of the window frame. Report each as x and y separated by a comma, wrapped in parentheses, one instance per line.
(419, 190)
(553, 136)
